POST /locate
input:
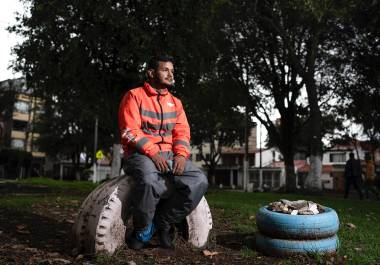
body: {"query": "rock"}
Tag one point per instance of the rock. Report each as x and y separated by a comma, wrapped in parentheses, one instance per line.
(299, 207)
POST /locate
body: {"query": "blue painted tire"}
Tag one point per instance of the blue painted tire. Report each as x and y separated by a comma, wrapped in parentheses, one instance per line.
(286, 226)
(284, 247)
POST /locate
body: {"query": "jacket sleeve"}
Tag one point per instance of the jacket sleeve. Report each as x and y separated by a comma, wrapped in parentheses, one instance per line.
(130, 127)
(181, 133)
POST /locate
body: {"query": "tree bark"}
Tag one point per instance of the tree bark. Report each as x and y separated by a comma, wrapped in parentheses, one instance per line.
(313, 179)
(290, 174)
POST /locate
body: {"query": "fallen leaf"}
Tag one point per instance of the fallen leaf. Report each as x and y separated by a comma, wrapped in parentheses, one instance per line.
(358, 249)
(252, 217)
(208, 253)
(26, 232)
(70, 221)
(20, 227)
(31, 249)
(351, 225)
(19, 246)
(53, 254)
(64, 261)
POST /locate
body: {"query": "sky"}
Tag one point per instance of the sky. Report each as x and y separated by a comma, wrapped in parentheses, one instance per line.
(8, 8)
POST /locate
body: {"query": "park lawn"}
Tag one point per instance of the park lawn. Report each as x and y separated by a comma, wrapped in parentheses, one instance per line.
(233, 213)
(57, 185)
(360, 245)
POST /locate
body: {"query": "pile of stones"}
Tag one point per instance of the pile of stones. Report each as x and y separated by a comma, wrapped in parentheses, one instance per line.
(300, 207)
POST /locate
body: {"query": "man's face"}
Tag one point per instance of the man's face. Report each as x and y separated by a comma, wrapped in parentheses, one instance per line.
(164, 74)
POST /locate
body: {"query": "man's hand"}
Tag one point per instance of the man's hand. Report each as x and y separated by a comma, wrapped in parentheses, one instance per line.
(179, 165)
(160, 163)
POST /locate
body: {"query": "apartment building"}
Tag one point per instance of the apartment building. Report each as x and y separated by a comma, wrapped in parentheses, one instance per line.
(18, 114)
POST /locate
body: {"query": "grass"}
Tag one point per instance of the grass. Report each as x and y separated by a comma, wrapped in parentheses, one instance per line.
(57, 185)
(360, 245)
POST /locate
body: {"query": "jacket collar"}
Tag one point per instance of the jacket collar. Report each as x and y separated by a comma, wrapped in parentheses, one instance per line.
(152, 91)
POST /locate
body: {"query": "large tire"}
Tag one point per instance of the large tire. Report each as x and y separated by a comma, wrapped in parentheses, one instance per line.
(286, 226)
(104, 219)
(284, 247)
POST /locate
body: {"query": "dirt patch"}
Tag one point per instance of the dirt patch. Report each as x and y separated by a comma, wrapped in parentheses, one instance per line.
(42, 234)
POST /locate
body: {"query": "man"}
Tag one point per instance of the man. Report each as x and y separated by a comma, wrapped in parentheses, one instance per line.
(353, 173)
(155, 136)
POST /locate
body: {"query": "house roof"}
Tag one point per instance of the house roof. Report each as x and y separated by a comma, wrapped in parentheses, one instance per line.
(300, 166)
(237, 150)
(280, 164)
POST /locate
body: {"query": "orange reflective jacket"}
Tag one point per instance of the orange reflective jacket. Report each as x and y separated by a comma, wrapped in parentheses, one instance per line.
(150, 122)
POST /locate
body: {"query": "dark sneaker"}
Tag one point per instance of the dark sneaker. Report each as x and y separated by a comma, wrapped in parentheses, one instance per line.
(165, 239)
(139, 239)
(135, 244)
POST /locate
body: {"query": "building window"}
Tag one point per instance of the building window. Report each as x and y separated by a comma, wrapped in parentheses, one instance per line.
(276, 179)
(18, 143)
(22, 107)
(39, 109)
(338, 157)
(20, 125)
(36, 147)
(267, 178)
(254, 178)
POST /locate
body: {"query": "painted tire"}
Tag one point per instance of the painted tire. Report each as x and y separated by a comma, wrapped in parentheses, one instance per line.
(284, 247)
(104, 219)
(286, 226)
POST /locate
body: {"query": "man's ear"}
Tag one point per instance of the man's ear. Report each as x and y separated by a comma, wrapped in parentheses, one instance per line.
(150, 73)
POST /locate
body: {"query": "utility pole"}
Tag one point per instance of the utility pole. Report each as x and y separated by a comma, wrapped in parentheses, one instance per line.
(261, 152)
(95, 166)
(245, 162)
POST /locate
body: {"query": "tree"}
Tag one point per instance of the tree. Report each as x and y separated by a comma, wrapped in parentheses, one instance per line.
(81, 60)
(216, 122)
(359, 81)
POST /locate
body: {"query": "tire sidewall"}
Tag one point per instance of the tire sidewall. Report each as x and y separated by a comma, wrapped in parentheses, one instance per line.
(286, 226)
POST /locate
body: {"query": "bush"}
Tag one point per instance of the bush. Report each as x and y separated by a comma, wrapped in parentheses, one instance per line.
(13, 161)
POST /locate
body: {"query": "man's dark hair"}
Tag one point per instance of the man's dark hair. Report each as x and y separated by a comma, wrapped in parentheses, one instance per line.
(154, 61)
(352, 155)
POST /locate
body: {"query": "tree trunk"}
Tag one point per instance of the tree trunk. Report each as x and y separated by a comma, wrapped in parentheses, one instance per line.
(116, 160)
(77, 166)
(211, 174)
(290, 174)
(313, 179)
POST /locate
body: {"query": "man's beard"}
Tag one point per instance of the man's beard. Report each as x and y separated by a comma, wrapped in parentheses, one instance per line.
(171, 86)
(168, 86)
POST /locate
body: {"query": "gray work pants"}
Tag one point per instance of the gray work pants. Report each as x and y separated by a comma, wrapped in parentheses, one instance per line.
(165, 197)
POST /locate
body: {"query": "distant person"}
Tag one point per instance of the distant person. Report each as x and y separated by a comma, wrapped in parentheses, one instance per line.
(369, 180)
(352, 174)
(156, 142)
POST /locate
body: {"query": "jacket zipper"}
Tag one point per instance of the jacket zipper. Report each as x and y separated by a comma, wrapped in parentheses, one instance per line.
(162, 119)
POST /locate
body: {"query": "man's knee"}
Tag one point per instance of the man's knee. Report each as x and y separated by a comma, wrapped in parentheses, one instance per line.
(202, 182)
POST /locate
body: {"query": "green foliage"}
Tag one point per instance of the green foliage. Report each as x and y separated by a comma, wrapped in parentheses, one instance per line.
(81, 60)
(360, 245)
(83, 186)
(13, 160)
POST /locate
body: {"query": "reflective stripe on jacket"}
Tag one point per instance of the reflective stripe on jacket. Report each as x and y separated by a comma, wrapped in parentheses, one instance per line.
(150, 122)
